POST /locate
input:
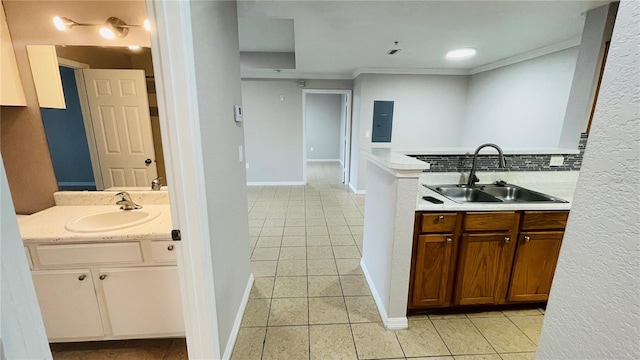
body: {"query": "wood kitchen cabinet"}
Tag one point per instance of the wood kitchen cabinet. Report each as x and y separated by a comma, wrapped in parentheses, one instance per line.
(484, 258)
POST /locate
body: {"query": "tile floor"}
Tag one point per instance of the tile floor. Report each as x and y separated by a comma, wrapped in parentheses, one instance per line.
(311, 301)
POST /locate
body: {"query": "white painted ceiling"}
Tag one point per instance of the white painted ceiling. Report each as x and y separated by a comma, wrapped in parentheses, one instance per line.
(338, 39)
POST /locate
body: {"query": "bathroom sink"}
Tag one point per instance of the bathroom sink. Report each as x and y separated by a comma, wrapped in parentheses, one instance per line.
(464, 194)
(112, 219)
(492, 193)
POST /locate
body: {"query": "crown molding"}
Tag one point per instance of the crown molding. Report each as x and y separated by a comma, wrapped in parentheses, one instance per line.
(391, 71)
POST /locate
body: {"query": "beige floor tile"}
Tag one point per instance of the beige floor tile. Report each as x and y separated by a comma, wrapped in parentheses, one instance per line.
(354, 285)
(524, 312)
(318, 240)
(293, 240)
(264, 268)
(256, 223)
(324, 286)
(485, 314)
(249, 343)
(292, 268)
(462, 337)
(272, 231)
(322, 267)
(478, 357)
(503, 335)
(356, 229)
(530, 326)
(256, 313)
(519, 356)
(286, 342)
(339, 230)
(421, 339)
(374, 342)
(290, 286)
(265, 253)
(327, 310)
(331, 342)
(342, 240)
(316, 222)
(337, 221)
(274, 223)
(289, 311)
(447, 316)
(293, 253)
(319, 252)
(295, 222)
(348, 266)
(294, 230)
(362, 309)
(262, 288)
(433, 358)
(317, 230)
(346, 252)
(254, 231)
(269, 241)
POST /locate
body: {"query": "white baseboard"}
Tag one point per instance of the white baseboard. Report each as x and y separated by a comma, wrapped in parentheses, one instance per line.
(236, 325)
(275, 183)
(323, 160)
(355, 191)
(397, 323)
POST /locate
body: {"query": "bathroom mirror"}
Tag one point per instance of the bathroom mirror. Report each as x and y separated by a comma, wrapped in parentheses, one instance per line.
(109, 133)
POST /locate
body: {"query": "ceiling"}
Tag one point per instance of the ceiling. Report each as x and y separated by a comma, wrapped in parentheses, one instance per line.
(340, 39)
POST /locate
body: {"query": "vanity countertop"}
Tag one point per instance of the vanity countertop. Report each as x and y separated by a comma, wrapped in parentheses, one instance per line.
(48, 226)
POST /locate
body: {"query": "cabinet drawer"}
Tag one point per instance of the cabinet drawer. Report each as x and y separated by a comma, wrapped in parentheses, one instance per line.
(438, 222)
(544, 220)
(479, 221)
(89, 253)
(163, 251)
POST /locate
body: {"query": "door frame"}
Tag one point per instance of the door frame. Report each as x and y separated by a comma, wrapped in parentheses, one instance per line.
(346, 169)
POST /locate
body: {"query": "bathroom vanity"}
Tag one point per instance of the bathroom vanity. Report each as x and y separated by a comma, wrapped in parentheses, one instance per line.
(106, 282)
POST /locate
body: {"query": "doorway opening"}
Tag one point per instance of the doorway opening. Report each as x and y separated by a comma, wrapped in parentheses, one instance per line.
(327, 129)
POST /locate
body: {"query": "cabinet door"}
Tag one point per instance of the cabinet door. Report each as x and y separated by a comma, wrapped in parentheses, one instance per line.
(483, 268)
(143, 301)
(534, 266)
(68, 304)
(431, 275)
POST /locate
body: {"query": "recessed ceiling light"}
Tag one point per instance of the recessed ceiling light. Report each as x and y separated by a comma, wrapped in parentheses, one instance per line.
(461, 53)
(134, 47)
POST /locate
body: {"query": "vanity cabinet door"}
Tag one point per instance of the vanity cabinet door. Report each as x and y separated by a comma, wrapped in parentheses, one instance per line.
(431, 274)
(68, 304)
(143, 301)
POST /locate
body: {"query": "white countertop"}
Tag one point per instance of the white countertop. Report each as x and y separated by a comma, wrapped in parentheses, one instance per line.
(471, 151)
(394, 160)
(560, 184)
(49, 225)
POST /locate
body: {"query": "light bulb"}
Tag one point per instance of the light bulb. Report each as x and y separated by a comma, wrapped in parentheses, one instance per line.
(461, 53)
(134, 47)
(59, 23)
(107, 33)
(146, 25)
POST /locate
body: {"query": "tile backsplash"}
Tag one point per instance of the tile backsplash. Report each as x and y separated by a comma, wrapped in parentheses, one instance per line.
(528, 162)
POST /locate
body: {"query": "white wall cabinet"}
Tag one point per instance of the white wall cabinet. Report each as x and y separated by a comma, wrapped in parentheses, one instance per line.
(46, 76)
(109, 297)
(68, 303)
(143, 300)
(11, 91)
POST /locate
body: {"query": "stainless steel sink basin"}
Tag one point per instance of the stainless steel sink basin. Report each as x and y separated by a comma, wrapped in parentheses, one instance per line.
(492, 193)
(464, 194)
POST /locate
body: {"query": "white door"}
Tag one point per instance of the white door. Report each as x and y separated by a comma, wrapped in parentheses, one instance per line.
(119, 109)
(143, 301)
(68, 304)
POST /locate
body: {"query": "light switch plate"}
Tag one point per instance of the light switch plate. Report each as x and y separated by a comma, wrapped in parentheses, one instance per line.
(556, 160)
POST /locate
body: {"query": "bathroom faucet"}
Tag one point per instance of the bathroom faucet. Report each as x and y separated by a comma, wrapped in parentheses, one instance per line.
(472, 176)
(126, 202)
(156, 184)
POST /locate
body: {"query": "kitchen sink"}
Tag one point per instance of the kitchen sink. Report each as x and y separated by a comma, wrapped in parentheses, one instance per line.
(492, 193)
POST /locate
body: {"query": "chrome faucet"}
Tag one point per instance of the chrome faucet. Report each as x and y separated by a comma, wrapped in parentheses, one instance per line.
(156, 184)
(472, 176)
(126, 202)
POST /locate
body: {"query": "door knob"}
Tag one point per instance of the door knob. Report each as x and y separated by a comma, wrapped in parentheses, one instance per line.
(82, 277)
(103, 276)
(148, 161)
(170, 247)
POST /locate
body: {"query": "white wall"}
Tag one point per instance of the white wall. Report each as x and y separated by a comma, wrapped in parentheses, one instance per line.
(354, 155)
(594, 306)
(428, 111)
(273, 128)
(217, 65)
(21, 326)
(520, 105)
(322, 126)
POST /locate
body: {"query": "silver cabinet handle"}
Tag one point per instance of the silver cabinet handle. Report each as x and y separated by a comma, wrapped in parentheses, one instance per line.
(449, 240)
(441, 217)
(527, 238)
(82, 277)
(170, 247)
(507, 239)
(103, 276)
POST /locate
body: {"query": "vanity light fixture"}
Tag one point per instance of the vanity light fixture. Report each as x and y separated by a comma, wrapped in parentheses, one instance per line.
(134, 47)
(112, 28)
(462, 53)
